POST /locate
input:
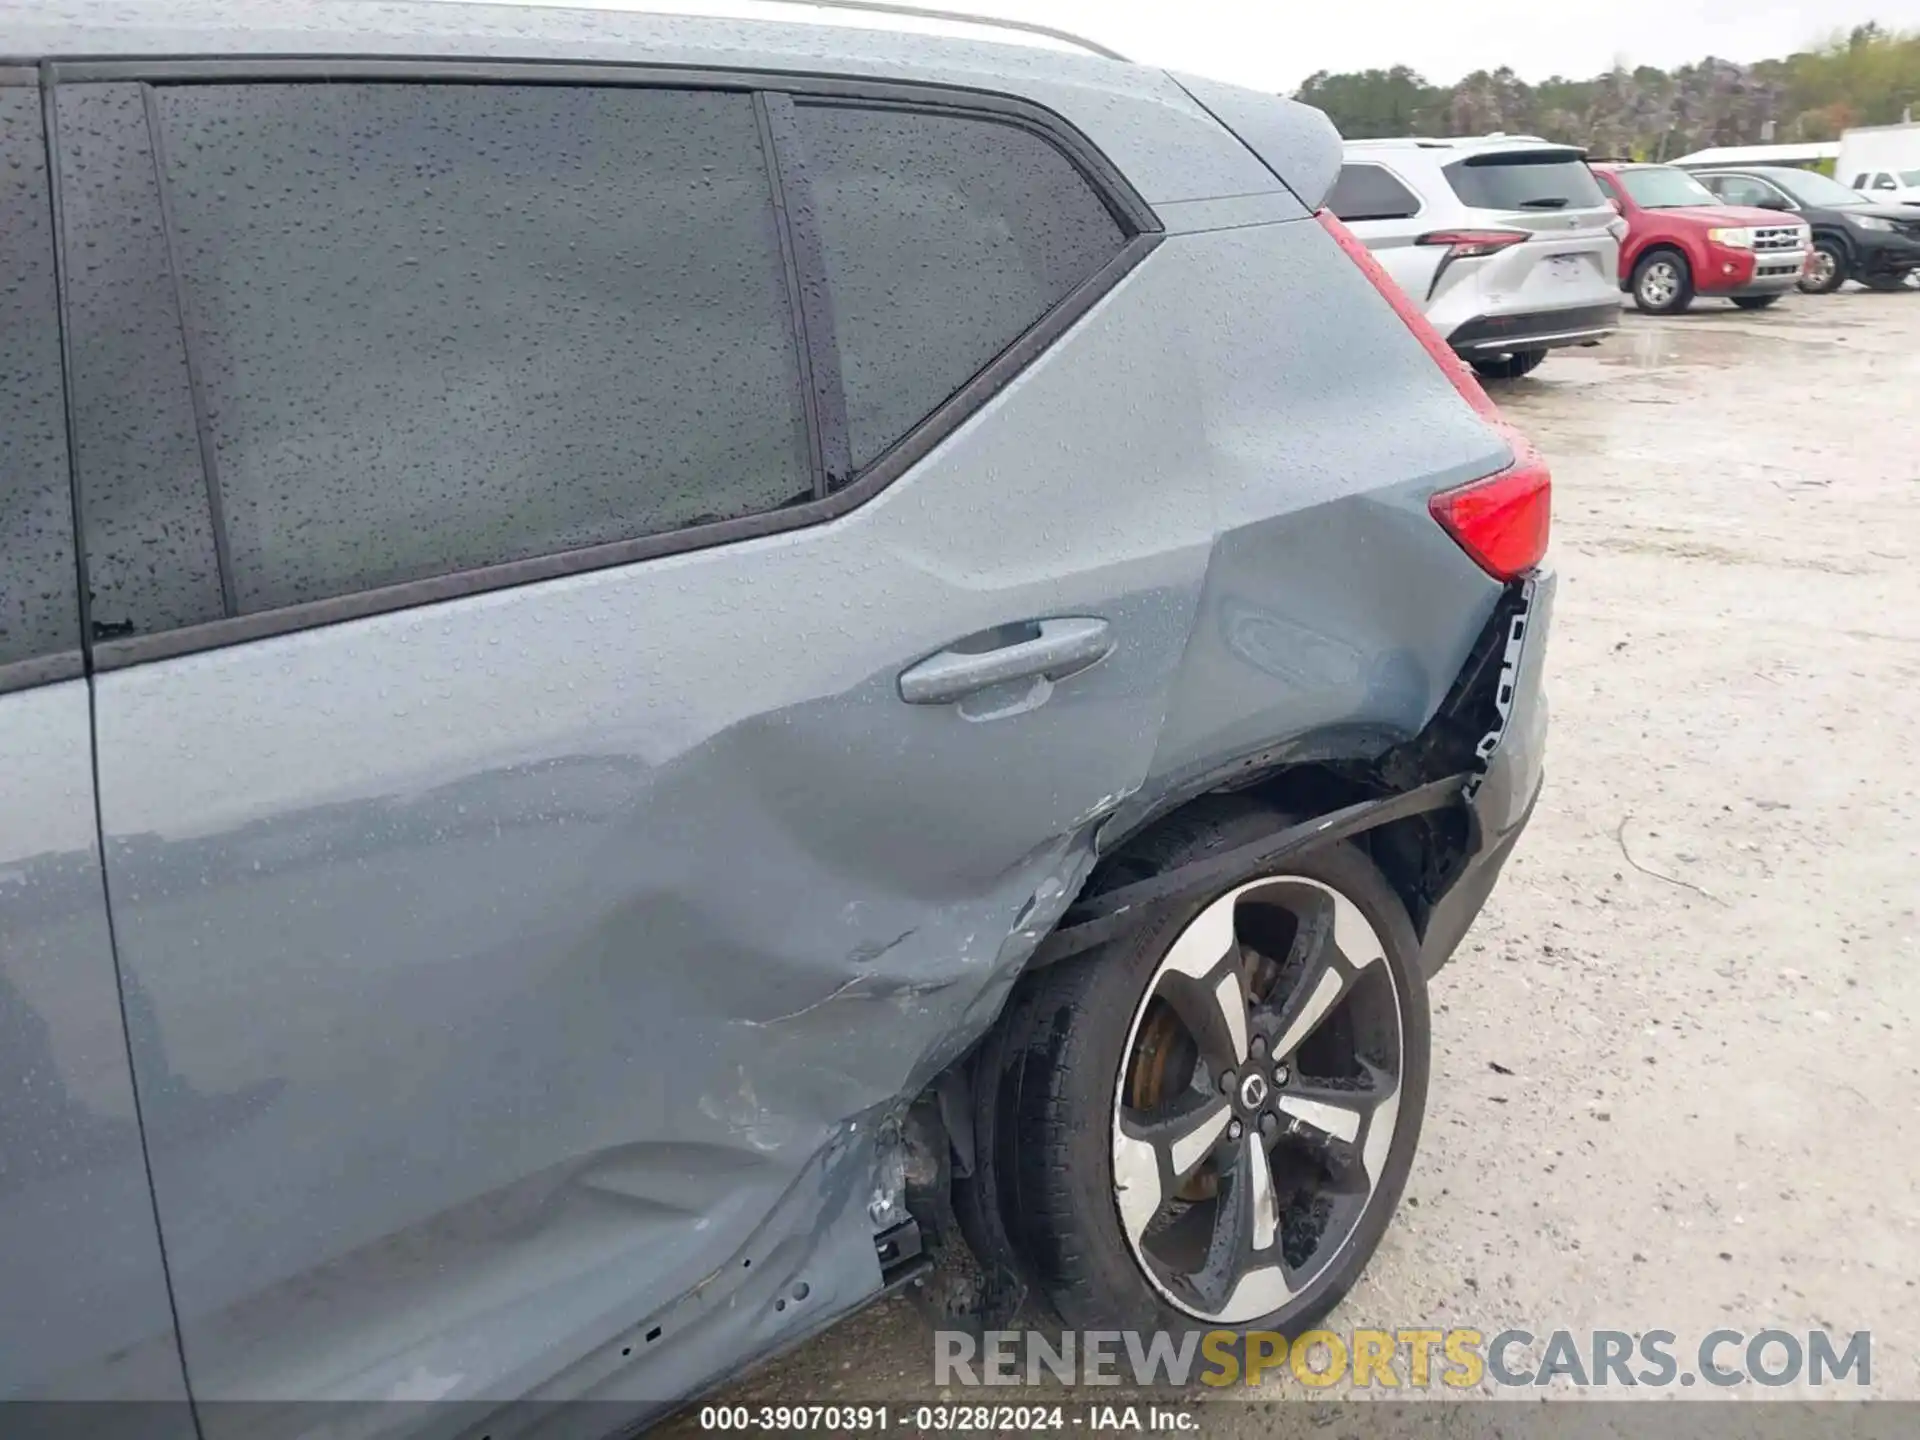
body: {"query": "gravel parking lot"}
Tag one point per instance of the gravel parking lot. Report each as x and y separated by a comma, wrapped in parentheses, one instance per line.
(1676, 1081)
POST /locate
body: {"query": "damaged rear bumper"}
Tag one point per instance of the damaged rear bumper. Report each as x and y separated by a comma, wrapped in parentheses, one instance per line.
(1501, 798)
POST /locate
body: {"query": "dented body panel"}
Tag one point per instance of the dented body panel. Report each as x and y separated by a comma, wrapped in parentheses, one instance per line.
(559, 930)
(533, 983)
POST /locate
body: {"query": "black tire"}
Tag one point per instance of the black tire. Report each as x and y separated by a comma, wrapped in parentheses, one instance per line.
(1509, 367)
(1885, 284)
(1067, 1030)
(1754, 302)
(1831, 275)
(1662, 283)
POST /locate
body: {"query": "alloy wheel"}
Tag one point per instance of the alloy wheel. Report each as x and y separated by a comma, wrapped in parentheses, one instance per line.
(1659, 283)
(1819, 270)
(1258, 1098)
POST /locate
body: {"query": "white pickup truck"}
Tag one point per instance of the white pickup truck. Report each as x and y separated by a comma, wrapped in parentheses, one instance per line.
(1882, 162)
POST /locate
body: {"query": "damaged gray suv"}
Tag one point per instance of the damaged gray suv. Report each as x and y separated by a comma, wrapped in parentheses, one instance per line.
(661, 674)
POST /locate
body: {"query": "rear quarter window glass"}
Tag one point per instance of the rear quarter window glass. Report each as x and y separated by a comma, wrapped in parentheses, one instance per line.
(39, 614)
(444, 326)
(1367, 192)
(944, 238)
(1544, 181)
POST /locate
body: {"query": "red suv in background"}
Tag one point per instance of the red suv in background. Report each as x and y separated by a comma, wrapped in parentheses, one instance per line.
(1683, 241)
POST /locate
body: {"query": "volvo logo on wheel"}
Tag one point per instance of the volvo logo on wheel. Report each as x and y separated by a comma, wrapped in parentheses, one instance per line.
(1253, 1091)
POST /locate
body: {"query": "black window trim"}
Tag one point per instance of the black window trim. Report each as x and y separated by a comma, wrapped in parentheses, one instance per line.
(797, 284)
(70, 664)
(774, 94)
(813, 315)
(196, 389)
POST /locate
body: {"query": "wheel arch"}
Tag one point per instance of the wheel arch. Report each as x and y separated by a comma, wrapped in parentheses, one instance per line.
(1670, 246)
(1419, 854)
(1632, 249)
(1840, 238)
(1399, 797)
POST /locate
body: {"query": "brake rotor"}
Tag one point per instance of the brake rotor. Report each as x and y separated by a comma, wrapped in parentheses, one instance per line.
(1163, 1043)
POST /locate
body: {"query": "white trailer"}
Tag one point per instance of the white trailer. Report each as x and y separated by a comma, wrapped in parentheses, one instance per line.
(1808, 156)
(1882, 162)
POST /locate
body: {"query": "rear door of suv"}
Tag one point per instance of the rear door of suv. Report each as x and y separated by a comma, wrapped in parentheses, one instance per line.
(592, 664)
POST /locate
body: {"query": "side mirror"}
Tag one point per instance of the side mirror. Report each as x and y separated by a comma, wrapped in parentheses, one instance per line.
(1774, 202)
(1618, 209)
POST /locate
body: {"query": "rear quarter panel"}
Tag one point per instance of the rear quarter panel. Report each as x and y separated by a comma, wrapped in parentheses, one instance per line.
(1334, 612)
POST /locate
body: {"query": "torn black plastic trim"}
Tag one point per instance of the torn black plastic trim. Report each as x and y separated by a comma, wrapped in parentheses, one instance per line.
(1104, 916)
(1465, 730)
(1516, 619)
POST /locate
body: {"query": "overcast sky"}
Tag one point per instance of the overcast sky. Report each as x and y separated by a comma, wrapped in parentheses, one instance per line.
(1277, 44)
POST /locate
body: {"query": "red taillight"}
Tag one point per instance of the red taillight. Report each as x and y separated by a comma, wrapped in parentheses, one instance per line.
(1501, 521)
(1464, 244)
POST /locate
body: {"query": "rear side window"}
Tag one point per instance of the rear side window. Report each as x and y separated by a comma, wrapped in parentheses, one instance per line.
(944, 238)
(38, 612)
(1368, 192)
(1525, 180)
(1742, 190)
(443, 326)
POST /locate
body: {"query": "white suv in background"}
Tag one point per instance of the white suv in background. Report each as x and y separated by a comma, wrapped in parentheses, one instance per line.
(1506, 241)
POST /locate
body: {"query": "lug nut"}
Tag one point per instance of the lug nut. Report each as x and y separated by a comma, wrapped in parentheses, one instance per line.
(1259, 1045)
(1226, 1082)
(1269, 1123)
(1235, 1129)
(1281, 1074)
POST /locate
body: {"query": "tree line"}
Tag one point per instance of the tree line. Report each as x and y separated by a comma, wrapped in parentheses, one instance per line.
(1870, 76)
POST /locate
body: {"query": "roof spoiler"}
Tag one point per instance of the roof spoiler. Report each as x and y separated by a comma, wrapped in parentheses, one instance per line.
(1296, 142)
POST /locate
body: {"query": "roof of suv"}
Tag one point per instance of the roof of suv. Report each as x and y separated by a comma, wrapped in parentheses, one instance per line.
(871, 32)
(1746, 169)
(1153, 129)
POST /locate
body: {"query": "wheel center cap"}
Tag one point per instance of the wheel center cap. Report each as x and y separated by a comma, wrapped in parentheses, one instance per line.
(1253, 1091)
